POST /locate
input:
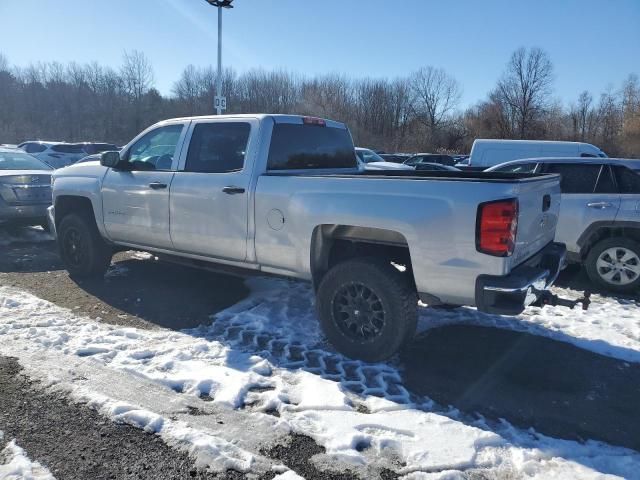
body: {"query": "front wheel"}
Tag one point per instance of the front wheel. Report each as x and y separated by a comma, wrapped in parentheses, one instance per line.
(368, 309)
(83, 251)
(614, 264)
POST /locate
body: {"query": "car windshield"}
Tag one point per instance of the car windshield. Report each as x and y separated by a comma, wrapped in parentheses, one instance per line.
(21, 161)
(369, 156)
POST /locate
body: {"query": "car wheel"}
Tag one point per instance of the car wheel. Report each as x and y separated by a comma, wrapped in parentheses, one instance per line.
(368, 309)
(614, 264)
(83, 251)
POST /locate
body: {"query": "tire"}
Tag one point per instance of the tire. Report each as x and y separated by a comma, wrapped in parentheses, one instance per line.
(368, 309)
(83, 251)
(612, 251)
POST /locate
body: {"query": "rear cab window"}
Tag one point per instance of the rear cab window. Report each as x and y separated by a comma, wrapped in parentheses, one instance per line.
(310, 146)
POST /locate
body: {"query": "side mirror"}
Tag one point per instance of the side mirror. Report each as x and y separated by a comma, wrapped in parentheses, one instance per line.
(110, 159)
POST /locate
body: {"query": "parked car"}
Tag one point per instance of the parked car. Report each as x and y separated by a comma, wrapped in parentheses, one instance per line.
(370, 160)
(430, 158)
(25, 188)
(487, 153)
(56, 154)
(461, 159)
(283, 194)
(395, 157)
(599, 214)
(436, 167)
(91, 148)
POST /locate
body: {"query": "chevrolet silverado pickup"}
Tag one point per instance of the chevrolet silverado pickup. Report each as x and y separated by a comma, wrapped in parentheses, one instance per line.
(283, 195)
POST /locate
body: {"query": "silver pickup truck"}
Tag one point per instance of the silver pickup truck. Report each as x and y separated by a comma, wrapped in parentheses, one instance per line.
(283, 195)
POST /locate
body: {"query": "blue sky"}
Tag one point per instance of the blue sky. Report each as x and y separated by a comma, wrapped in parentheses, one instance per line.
(592, 43)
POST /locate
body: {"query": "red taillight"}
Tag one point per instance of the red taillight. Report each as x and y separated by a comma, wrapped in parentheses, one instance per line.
(314, 121)
(496, 227)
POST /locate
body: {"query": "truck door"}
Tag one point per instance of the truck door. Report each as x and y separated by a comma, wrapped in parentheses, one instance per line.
(210, 192)
(589, 195)
(135, 196)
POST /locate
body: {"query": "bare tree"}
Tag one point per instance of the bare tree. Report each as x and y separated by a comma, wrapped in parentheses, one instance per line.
(137, 74)
(582, 116)
(435, 96)
(525, 87)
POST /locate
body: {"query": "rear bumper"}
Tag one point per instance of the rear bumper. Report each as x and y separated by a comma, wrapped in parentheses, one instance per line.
(511, 294)
(27, 214)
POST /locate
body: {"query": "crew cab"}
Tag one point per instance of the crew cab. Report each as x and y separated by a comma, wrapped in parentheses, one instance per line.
(283, 195)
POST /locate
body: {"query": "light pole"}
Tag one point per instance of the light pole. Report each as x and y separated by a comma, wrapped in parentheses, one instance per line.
(220, 102)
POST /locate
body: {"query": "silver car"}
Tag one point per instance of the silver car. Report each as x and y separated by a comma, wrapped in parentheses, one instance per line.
(25, 188)
(599, 214)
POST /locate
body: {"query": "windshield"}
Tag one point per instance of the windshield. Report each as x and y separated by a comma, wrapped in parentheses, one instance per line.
(369, 156)
(21, 161)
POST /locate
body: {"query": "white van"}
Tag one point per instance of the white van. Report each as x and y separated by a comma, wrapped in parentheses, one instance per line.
(487, 153)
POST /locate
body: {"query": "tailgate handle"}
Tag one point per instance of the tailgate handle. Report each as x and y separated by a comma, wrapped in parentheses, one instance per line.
(546, 202)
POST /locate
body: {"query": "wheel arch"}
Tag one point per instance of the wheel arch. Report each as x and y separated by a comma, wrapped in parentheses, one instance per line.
(333, 243)
(599, 231)
(66, 204)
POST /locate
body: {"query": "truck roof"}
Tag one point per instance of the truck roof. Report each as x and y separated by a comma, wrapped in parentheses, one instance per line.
(276, 117)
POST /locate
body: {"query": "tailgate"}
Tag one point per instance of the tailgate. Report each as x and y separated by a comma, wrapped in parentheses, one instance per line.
(539, 206)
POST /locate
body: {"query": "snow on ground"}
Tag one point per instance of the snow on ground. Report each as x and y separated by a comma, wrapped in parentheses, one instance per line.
(266, 354)
(15, 465)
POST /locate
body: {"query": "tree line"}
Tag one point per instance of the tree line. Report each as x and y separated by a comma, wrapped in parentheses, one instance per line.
(417, 112)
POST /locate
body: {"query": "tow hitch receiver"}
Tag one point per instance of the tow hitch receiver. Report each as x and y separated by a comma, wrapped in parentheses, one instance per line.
(548, 298)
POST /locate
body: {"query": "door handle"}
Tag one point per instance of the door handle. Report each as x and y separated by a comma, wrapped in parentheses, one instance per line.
(157, 185)
(232, 190)
(600, 205)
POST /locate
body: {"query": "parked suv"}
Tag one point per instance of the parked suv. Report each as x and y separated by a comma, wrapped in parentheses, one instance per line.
(56, 154)
(599, 214)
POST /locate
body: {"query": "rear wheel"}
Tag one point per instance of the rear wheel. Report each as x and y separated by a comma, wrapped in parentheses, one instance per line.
(614, 264)
(367, 308)
(83, 251)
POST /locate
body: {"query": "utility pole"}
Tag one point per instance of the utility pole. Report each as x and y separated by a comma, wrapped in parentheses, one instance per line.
(220, 102)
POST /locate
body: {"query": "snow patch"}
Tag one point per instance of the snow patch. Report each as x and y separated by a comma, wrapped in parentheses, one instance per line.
(16, 465)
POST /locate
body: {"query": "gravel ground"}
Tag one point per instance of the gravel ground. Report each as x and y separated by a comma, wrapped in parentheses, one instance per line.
(135, 293)
(90, 446)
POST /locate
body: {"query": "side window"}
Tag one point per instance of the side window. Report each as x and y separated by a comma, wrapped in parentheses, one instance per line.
(34, 148)
(576, 177)
(218, 147)
(605, 183)
(628, 180)
(155, 150)
(518, 168)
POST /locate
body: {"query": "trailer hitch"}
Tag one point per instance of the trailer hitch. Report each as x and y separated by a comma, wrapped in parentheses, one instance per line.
(548, 298)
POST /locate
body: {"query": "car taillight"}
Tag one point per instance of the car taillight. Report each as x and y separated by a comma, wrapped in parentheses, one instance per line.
(314, 121)
(496, 227)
